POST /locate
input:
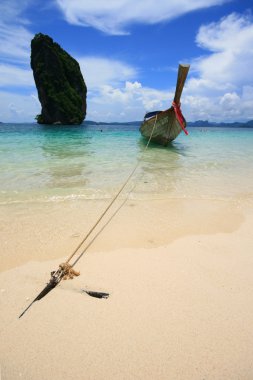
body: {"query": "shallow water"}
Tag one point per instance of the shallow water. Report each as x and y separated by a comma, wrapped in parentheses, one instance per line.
(49, 164)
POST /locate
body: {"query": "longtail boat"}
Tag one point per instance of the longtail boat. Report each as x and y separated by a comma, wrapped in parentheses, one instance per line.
(163, 127)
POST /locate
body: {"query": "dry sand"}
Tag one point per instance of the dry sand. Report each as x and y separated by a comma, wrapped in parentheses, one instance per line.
(179, 274)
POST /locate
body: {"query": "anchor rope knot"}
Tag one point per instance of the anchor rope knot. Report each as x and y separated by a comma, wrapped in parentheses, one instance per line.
(67, 271)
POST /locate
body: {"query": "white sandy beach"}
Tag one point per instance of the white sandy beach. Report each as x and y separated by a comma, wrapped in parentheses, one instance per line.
(179, 274)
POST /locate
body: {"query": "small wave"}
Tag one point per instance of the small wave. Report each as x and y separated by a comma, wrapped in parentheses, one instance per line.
(56, 198)
(73, 197)
(136, 196)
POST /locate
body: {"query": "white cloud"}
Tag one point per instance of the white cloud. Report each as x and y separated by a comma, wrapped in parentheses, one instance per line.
(127, 102)
(15, 43)
(230, 99)
(229, 33)
(223, 78)
(15, 72)
(99, 71)
(11, 75)
(230, 106)
(112, 91)
(14, 35)
(113, 94)
(17, 107)
(230, 42)
(11, 10)
(114, 16)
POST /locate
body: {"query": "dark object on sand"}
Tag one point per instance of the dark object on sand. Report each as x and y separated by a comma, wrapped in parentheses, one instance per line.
(64, 272)
(163, 127)
(59, 81)
(50, 286)
(96, 294)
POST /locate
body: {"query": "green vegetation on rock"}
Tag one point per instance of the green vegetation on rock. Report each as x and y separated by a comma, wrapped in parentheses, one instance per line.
(59, 81)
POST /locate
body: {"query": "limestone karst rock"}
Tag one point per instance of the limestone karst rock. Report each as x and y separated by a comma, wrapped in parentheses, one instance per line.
(59, 81)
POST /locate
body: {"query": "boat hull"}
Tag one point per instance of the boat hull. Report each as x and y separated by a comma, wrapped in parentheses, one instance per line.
(162, 128)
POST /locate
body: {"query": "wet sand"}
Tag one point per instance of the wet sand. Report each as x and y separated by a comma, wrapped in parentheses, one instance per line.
(179, 274)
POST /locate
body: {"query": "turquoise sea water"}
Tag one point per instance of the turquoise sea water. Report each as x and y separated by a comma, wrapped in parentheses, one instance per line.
(51, 164)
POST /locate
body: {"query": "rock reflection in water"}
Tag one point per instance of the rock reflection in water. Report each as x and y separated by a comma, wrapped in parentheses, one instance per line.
(66, 150)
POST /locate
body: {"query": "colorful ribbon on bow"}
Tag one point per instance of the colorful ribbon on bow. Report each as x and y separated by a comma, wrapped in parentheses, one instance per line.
(179, 116)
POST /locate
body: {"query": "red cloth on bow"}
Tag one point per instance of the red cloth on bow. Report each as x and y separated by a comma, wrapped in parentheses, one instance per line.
(179, 116)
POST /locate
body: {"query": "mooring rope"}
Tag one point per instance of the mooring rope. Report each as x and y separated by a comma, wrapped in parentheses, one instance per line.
(109, 206)
(65, 270)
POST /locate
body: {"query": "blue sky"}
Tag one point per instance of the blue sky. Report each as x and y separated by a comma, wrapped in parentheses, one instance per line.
(129, 52)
